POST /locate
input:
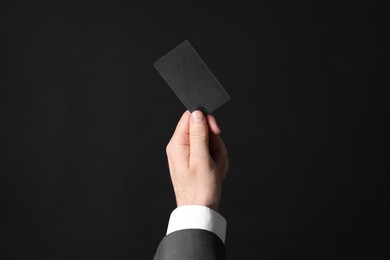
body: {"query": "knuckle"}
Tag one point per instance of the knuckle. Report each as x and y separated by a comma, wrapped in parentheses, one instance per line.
(224, 174)
(198, 136)
(225, 152)
(199, 163)
(198, 132)
(225, 171)
(168, 148)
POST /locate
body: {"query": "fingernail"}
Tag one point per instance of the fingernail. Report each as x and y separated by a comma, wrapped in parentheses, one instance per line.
(197, 116)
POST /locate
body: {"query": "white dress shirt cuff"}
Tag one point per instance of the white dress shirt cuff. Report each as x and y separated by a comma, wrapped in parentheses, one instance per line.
(198, 217)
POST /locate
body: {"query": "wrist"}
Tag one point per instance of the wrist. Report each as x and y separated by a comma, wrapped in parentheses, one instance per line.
(210, 203)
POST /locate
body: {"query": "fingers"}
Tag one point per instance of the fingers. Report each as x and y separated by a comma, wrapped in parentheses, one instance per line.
(218, 151)
(213, 126)
(199, 137)
(182, 130)
(192, 134)
(225, 168)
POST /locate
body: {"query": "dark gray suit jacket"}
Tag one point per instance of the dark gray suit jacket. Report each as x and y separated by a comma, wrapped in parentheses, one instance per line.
(192, 244)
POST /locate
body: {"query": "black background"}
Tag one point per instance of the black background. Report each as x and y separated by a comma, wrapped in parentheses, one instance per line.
(85, 119)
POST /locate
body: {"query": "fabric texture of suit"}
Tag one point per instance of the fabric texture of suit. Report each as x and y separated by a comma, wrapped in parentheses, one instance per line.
(191, 244)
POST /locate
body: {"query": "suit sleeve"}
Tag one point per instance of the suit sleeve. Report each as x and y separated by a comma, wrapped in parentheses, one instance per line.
(191, 244)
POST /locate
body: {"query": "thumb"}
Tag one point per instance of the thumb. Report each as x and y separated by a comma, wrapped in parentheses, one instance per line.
(199, 136)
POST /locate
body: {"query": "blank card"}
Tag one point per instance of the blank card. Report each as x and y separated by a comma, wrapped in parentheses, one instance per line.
(191, 80)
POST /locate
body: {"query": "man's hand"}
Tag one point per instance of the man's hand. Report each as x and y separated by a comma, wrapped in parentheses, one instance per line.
(198, 160)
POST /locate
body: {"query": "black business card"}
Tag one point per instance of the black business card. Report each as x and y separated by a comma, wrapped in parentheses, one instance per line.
(191, 80)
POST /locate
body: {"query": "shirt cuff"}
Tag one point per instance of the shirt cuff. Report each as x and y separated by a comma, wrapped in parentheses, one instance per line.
(198, 217)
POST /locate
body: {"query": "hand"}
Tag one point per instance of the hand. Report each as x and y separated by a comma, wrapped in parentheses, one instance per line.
(198, 160)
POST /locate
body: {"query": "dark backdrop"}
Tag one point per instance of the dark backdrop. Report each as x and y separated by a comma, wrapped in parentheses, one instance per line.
(85, 119)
